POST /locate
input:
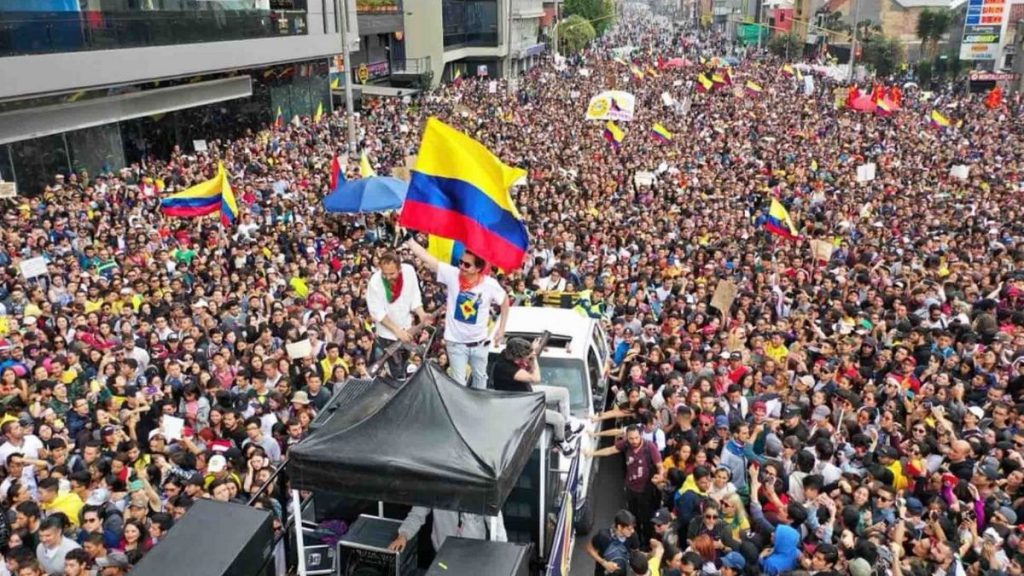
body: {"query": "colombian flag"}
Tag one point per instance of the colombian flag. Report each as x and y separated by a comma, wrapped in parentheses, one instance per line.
(753, 88)
(337, 174)
(779, 222)
(704, 84)
(661, 133)
(445, 249)
(788, 70)
(319, 113)
(938, 120)
(613, 134)
(279, 119)
(460, 190)
(214, 195)
(637, 72)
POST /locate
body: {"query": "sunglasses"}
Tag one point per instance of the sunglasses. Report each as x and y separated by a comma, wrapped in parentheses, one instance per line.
(711, 516)
(466, 265)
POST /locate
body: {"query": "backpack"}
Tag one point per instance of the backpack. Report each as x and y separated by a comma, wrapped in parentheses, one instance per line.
(616, 551)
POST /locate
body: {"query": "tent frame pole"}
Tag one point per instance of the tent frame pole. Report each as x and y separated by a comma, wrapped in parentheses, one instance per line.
(300, 546)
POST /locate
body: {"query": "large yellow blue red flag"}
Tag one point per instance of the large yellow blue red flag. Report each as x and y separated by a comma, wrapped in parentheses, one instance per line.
(779, 222)
(460, 190)
(445, 249)
(213, 195)
(939, 121)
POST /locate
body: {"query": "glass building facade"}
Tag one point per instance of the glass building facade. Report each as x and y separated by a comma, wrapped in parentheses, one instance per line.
(470, 23)
(52, 26)
(294, 89)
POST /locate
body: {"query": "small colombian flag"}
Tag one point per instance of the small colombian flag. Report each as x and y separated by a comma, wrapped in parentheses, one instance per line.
(939, 121)
(704, 84)
(613, 134)
(753, 88)
(661, 133)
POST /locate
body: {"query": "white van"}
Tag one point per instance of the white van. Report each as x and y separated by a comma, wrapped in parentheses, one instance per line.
(575, 359)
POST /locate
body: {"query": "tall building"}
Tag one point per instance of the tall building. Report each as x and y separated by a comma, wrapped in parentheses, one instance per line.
(99, 84)
(494, 38)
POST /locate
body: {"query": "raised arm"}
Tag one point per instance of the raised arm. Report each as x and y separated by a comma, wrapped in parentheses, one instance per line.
(422, 255)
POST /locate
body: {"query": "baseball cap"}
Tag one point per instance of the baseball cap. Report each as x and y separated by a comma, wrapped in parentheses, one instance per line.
(217, 464)
(721, 421)
(978, 412)
(734, 560)
(662, 516)
(114, 560)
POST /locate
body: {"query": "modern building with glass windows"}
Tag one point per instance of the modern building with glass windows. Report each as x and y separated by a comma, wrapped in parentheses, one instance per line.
(496, 38)
(99, 84)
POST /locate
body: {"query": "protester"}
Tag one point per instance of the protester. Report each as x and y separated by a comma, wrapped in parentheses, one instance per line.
(392, 299)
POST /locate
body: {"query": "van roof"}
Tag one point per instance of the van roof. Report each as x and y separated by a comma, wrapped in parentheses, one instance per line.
(563, 324)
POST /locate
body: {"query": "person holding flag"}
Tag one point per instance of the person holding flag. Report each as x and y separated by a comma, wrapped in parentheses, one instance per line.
(472, 292)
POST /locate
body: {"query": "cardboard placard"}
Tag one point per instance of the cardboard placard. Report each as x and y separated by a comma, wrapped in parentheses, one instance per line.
(960, 171)
(492, 87)
(725, 294)
(8, 190)
(33, 267)
(299, 350)
(644, 178)
(172, 427)
(866, 172)
(822, 250)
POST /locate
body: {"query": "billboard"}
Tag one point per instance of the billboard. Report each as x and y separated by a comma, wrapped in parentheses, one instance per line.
(984, 27)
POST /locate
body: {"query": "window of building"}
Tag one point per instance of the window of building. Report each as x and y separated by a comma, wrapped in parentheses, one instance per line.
(470, 23)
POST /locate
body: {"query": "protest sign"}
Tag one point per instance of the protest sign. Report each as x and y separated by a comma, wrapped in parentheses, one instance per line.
(199, 145)
(299, 350)
(33, 267)
(8, 190)
(866, 172)
(725, 293)
(960, 171)
(822, 250)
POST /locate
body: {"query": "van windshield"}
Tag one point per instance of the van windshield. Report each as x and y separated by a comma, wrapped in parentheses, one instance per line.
(570, 374)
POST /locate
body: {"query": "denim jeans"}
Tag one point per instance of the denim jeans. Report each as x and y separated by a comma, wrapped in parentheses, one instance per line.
(460, 355)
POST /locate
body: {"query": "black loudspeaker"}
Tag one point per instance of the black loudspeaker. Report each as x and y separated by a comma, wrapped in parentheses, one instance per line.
(215, 539)
(466, 557)
(364, 549)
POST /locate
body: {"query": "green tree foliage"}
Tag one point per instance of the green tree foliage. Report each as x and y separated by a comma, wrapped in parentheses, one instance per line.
(883, 54)
(574, 33)
(786, 45)
(600, 13)
(932, 25)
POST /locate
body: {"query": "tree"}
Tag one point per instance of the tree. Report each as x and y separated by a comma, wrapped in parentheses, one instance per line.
(600, 13)
(932, 25)
(786, 45)
(866, 29)
(883, 54)
(574, 33)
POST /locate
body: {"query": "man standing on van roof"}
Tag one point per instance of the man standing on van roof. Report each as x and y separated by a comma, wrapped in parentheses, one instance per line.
(392, 297)
(472, 292)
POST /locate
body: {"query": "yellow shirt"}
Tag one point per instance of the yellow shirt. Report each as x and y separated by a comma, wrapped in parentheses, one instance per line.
(69, 503)
(777, 353)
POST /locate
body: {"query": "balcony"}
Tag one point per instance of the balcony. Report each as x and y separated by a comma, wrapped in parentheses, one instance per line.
(25, 33)
(412, 73)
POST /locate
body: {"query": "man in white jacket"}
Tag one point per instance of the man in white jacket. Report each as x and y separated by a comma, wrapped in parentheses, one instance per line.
(447, 523)
(392, 297)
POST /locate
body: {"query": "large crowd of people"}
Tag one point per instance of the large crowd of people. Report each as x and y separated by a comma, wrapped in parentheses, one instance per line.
(853, 411)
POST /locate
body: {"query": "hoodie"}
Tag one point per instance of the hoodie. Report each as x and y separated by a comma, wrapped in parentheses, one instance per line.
(689, 501)
(786, 554)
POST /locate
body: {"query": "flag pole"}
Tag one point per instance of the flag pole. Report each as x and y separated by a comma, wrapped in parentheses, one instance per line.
(343, 18)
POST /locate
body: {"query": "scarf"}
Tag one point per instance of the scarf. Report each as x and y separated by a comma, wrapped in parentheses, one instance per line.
(466, 285)
(393, 289)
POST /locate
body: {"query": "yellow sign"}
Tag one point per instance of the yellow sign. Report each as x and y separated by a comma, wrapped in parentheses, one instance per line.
(363, 74)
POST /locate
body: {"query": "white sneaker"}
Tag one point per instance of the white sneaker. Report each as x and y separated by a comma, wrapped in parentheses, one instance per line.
(567, 448)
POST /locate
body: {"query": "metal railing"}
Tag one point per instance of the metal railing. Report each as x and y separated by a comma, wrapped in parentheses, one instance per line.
(25, 33)
(411, 66)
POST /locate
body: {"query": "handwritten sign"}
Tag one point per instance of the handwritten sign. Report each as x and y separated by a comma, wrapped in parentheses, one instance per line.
(866, 172)
(8, 190)
(299, 350)
(822, 250)
(199, 145)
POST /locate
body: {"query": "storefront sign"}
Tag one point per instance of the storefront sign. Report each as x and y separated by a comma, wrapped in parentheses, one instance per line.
(991, 76)
(983, 29)
(374, 71)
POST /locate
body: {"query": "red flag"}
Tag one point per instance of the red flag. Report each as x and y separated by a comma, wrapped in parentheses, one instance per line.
(994, 99)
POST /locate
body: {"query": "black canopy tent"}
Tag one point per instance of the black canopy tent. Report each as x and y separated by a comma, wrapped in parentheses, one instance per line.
(434, 443)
